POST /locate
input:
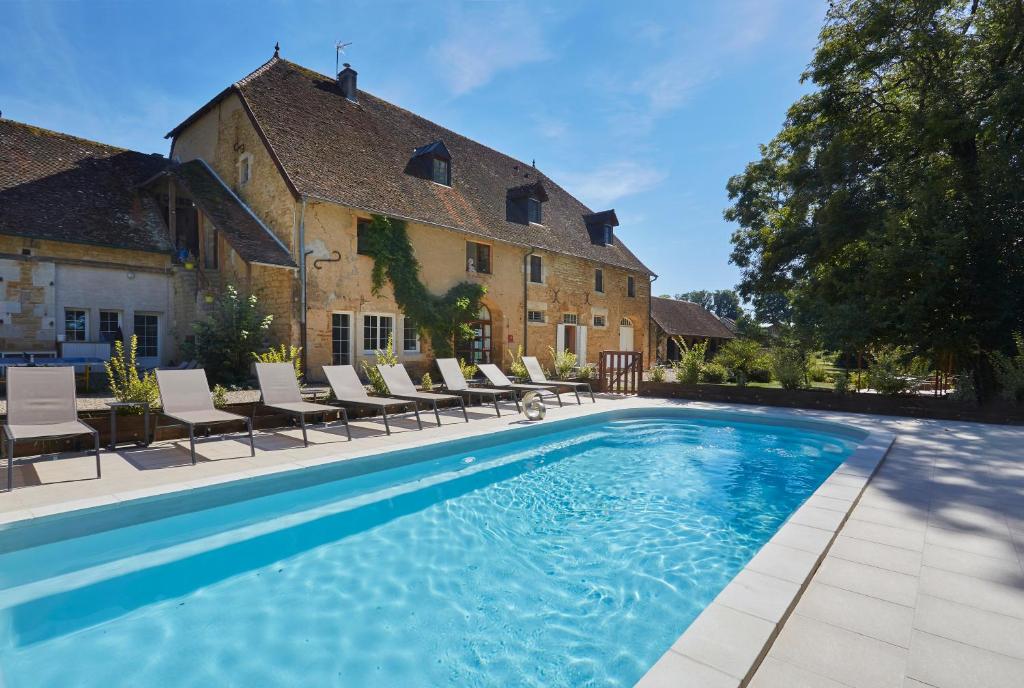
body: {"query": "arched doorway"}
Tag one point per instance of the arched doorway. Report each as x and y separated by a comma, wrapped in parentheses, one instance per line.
(479, 348)
(625, 335)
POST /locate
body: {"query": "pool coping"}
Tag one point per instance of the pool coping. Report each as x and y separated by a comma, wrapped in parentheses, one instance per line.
(726, 643)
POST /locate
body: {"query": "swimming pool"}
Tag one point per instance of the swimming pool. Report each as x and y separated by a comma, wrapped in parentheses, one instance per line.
(569, 553)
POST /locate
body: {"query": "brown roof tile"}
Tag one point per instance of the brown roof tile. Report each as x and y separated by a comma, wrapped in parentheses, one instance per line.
(62, 188)
(687, 319)
(355, 154)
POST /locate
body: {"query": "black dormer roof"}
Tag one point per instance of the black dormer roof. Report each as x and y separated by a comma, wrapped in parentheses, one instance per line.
(437, 149)
(531, 190)
(605, 217)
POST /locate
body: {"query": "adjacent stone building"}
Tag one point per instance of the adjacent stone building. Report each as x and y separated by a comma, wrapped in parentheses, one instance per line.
(315, 158)
(672, 319)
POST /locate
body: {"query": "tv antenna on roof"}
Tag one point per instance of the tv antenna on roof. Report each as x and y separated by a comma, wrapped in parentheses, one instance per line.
(339, 49)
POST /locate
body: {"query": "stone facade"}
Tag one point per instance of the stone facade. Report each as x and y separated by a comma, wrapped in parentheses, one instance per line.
(342, 286)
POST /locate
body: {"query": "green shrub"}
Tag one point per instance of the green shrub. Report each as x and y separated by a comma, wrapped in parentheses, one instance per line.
(741, 357)
(426, 383)
(841, 382)
(124, 380)
(564, 362)
(965, 391)
(789, 366)
(385, 356)
(586, 372)
(889, 372)
(1009, 370)
(285, 353)
(468, 369)
(713, 373)
(220, 396)
(691, 360)
(762, 373)
(657, 374)
(224, 341)
(516, 366)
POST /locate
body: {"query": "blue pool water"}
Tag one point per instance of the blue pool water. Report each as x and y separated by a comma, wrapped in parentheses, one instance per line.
(571, 558)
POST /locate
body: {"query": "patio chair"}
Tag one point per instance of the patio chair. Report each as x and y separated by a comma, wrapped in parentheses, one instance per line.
(348, 389)
(41, 406)
(185, 397)
(537, 377)
(455, 381)
(400, 385)
(498, 380)
(280, 390)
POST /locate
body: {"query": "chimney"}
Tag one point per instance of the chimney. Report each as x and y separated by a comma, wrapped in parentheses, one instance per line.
(347, 82)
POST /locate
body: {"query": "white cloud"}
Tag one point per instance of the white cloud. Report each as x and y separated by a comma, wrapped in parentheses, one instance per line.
(601, 187)
(484, 40)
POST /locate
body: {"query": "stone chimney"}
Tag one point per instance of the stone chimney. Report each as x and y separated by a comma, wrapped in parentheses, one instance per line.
(347, 82)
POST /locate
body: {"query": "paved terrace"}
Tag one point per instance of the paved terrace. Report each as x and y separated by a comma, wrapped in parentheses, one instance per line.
(923, 585)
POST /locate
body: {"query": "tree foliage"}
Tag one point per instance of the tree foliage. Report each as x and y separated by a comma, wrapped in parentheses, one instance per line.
(725, 303)
(889, 208)
(444, 318)
(225, 340)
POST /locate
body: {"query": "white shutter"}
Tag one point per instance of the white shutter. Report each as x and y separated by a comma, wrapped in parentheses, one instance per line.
(560, 338)
(581, 344)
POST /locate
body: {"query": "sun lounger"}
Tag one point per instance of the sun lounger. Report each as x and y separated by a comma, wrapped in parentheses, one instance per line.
(499, 381)
(537, 377)
(41, 406)
(348, 389)
(455, 381)
(280, 390)
(185, 397)
(400, 385)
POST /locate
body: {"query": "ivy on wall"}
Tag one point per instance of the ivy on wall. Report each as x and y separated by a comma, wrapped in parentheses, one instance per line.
(444, 318)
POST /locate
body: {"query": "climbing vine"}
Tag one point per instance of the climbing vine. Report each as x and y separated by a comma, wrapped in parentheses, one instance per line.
(444, 318)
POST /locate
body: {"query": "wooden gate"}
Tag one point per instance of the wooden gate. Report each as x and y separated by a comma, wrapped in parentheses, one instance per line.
(620, 371)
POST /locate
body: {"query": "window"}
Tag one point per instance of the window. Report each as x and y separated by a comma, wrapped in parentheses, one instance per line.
(535, 316)
(244, 168)
(441, 172)
(478, 257)
(75, 325)
(599, 280)
(410, 336)
(536, 270)
(570, 319)
(341, 339)
(110, 326)
(363, 237)
(376, 330)
(477, 349)
(600, 321)
(209, 245)
(630, 286)
(607, 231)
(533, 211)
(147, 331)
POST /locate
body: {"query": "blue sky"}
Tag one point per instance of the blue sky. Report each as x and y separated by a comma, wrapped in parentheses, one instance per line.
(646, 107)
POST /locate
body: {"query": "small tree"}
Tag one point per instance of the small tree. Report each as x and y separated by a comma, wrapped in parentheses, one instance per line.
(225, 340)
(691, 360)
(123, 377)
(564, 362)
(468, 369)
(1009, 370)
(740, 356)
(285, 353)
(789, 365)
(516, 365)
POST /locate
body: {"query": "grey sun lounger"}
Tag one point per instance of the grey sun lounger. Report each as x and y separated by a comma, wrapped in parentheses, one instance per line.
(185, 397)
(41, 406)
(455, 381)
(538, 377)
(400, 385)
(348, 389)
(279, 390)
(499, 381)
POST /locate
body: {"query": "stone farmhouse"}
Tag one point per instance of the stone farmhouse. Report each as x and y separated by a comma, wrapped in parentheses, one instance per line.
(271, 186)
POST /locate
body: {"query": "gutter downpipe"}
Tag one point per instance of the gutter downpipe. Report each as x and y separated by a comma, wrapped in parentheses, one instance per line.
(651, 336)
(302, 288)
(526, 286)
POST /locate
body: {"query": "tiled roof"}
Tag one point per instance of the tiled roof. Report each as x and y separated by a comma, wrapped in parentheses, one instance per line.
(62, 188)
(687, 319)
(253, 240)
(356, 154)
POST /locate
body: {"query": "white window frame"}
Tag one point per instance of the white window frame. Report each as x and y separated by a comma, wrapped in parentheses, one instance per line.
(410, 352)
(99, 320)
(244, 166)
(570, 319)
(604, 321)
(159, 331)
(351, 337)
(370, 350)
(85, 330)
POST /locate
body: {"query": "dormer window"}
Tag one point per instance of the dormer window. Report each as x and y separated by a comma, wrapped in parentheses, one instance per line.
(433, 162)
(534, 212)
(601, 227)
(442, 172)
(523, 204)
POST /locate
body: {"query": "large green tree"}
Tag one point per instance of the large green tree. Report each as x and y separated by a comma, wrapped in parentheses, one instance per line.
(724, 303)
(890, 208)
